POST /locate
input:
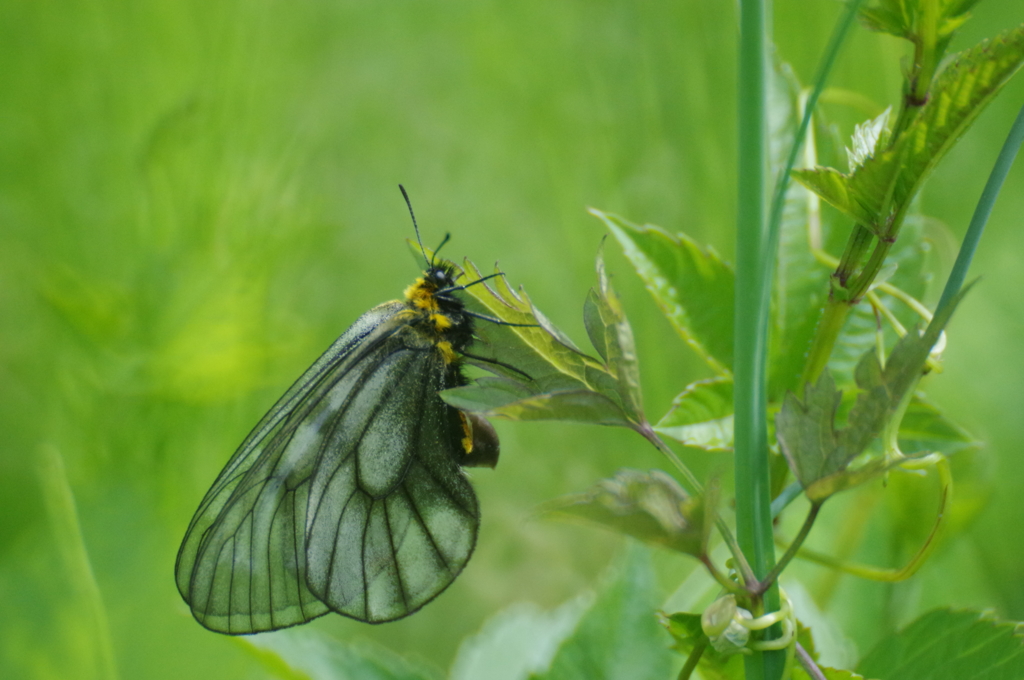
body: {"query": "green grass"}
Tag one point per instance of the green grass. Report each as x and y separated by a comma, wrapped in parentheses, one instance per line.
(197, 197)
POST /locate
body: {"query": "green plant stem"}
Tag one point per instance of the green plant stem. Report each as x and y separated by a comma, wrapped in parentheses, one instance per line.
(751, 441)
(848, 286)
(860, 285)
(846, 293)
(691, 661)
(838, 306)
(856, 245)
(790, 553)
(825, 336)
(909, 569)
(786, 496)
(808, 663)
(926, 61)
(722, 579)
(753, 484)
(650, 435)
(746, 573)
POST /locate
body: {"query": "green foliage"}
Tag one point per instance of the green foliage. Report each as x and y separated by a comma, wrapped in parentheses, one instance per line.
(552, 379)
(837, 188)
(815, 448)
(611, 335)
(914, 19)
(197, 196)
(692, 285)
(906, 267)
(619, 636)
(947, 645)
(887, 181)
(304, 654)
(650, 506)
(518, 641)
(687, 631)
(701, 416)
(801, 282)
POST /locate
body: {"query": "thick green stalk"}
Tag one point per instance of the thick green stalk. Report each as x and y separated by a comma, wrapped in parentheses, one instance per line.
(825, 336)
(926, 60)
(860, 285)
(856, 245)
(753, 491)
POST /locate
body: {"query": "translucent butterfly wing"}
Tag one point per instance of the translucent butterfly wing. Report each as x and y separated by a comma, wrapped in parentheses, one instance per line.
(241, 566)
(382, 543)
(330, 477)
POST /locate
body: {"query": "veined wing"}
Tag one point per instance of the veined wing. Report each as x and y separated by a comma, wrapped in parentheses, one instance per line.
(241, 566)
(392, 520)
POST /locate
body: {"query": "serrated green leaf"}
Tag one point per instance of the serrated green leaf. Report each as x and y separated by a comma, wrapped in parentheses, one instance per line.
(888, 180)
(883, 19)
(958, 95)
(903, 19)
(948, 645)
(619, 637)
(543, 376)
(580, 406)
(868, 137)
(806, 430)
(869, 193)
(650, 506)
(692, 285)
(701, 416)
(318, 657)
(685, 629)
(534, 347)
(612, 336)
(834, 187)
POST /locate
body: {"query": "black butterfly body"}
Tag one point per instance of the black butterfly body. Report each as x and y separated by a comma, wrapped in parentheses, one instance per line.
(348, 496)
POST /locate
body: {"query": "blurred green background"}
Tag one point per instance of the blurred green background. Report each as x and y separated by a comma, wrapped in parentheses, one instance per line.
(196, 197)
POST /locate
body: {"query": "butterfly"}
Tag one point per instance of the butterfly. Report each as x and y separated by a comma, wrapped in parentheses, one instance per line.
(349, 495)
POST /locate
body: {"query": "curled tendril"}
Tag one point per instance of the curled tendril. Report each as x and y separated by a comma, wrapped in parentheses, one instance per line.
(728, 626)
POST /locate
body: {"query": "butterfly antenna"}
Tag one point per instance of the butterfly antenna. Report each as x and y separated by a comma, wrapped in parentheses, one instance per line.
(416, 227)
(439, 246)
